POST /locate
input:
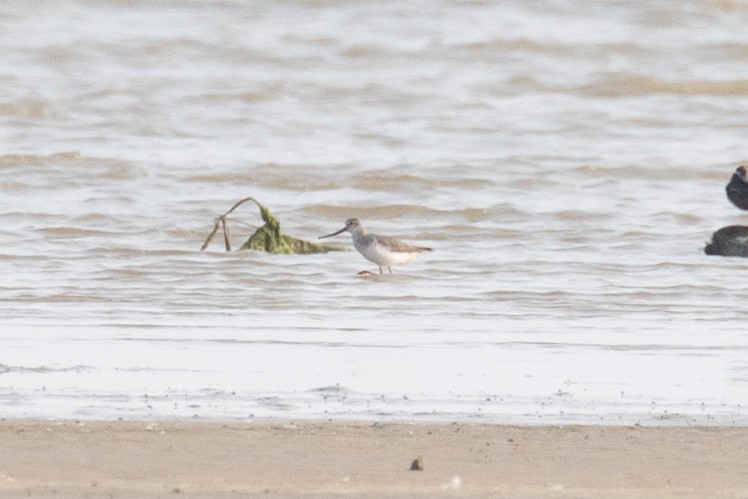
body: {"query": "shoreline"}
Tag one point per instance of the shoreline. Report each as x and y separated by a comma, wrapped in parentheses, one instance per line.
(329, 459)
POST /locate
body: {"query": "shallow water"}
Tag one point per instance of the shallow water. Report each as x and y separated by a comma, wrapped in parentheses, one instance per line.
(566, 161)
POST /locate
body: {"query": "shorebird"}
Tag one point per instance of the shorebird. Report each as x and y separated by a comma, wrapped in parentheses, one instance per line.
(384, 251)
(737, 189)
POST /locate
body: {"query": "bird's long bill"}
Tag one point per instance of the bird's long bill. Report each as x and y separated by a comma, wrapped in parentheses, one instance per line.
(334, 233)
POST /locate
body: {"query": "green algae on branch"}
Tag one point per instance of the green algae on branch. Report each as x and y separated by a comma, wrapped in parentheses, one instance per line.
(269, 237)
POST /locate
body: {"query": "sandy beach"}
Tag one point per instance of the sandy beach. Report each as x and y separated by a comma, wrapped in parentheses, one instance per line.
(212, 460)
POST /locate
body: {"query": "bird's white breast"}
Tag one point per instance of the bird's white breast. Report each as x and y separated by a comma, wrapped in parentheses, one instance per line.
(383, 255)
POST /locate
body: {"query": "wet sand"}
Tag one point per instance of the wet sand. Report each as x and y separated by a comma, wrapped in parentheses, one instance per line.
(215, 460)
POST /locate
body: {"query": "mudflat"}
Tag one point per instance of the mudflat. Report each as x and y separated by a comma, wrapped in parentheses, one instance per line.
(46, 459)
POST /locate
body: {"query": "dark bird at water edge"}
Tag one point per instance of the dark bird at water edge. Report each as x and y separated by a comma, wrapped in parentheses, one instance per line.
(737, 189)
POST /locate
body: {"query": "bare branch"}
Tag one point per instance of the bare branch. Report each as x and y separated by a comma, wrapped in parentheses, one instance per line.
(210, 237)
(226, 241)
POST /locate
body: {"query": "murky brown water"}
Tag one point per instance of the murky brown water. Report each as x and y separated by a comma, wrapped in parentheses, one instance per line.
(566, 160)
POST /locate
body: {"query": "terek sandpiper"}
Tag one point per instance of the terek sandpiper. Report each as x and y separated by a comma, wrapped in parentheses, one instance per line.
(384, 251)
(737, 189)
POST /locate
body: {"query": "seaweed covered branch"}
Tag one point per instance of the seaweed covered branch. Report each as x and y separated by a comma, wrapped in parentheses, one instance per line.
(267, 238)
